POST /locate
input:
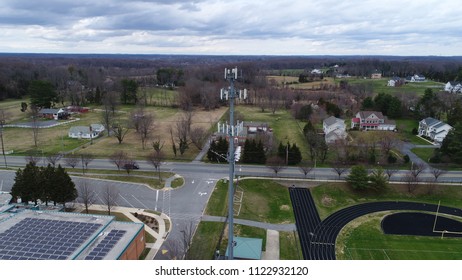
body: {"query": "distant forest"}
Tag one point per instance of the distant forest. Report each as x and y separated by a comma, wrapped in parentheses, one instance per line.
(74, 72)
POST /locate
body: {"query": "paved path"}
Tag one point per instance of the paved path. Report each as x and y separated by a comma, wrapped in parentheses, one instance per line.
(272, 245)
(267, 226)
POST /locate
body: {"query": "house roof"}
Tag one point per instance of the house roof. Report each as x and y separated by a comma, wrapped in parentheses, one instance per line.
(247, 248)
(336, 134)
(332, 120)
(86, 129)
(367, 114)
(430, 121)
(49, 111)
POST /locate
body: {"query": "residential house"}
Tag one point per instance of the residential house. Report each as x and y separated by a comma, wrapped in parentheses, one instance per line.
(334, 129)
(56, 114)
(371, 120)
(395, 82)
(415, 79)
(434, 129)
(454, 87)
(376, 75)
(86, 132)
(242, 130)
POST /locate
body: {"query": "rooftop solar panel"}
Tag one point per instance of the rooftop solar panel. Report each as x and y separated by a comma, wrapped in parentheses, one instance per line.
(44, 238)
(103, 248)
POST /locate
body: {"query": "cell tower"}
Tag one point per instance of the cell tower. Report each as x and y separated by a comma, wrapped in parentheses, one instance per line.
(231, 75)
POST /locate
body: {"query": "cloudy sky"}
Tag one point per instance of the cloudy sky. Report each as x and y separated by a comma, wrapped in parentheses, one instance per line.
(236, 27)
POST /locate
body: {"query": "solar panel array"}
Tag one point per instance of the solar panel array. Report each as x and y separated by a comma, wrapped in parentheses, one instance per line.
(44, 239)
(101, 250)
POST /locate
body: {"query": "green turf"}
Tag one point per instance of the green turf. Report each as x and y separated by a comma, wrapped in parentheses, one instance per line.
(262, 201)
(364, 240)
(424, 153)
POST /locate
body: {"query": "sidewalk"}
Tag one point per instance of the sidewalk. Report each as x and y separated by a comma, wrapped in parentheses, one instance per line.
(160, 236)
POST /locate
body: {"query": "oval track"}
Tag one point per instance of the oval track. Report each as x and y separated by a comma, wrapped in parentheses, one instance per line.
(317, 238)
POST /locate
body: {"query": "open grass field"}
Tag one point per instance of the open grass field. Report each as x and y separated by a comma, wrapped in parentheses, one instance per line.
(289, 246)
(380, 85)
(54, 140)
(363, 239)
(263, 201)
(424, 153)
(331, 197)
(285, 127)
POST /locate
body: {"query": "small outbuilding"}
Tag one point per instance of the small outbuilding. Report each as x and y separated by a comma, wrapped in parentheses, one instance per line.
(247, 248)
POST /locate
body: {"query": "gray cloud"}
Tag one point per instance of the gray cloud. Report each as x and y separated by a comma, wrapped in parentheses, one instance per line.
(317, 26)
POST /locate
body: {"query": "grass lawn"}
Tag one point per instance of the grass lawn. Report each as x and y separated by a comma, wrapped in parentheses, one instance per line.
(289, 246)
(331, 197)
(423, 153)
(285, 127)
(363, 239)
(263, 201)
(205, 241)
(380, 85)
(134, 177)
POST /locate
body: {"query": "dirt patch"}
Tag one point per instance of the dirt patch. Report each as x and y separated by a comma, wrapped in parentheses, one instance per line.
(284, 207)
(327, 201)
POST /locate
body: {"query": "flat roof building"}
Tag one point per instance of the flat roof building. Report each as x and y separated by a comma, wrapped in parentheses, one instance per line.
(51, 235)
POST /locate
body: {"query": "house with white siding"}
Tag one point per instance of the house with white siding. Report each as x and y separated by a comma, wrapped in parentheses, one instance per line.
(86, 132)
(434, 129)
(334, 129)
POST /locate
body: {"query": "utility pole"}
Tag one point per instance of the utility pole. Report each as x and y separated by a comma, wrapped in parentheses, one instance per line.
(231, 76)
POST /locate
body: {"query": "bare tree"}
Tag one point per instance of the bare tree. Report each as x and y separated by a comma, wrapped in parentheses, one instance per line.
(155, 159)
(119, 158)
(306, 167)
(411, 181)
(71, 160)
(174, 248)
(86, 195)
(85, 159)
(157, 146)
(437, 172)
(183, 129)
(129, 165)
(143, 124)
(107, 115)
(3, 118)
(110, 196)
(187, 234)
(276, 164)
(390, 172)
(198, 137)
(35, 125)
(54, 158)
(339, 168)
(120, 131)
(33, 157)
(388, 141)
(417, 169)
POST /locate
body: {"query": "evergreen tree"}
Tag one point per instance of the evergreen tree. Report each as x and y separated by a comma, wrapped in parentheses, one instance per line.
(452, 144)
(295, 156)
(378, 179)
(358, 178)
(260, 155)
(307, 128)
(63, 189)
(27, 184)
(218, 150)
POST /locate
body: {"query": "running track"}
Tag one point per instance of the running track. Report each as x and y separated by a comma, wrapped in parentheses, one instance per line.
(317, 238)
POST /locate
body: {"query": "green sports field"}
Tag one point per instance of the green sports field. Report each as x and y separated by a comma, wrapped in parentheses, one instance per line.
(363, 239)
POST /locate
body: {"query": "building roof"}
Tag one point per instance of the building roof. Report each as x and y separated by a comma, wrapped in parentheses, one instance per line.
(49, 111)
(430, 121)
(55, 235)
(367, 114)
(332, 120)
(86, 129)
(247, 248)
